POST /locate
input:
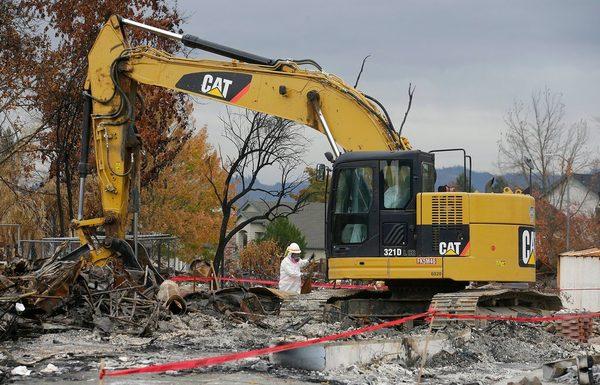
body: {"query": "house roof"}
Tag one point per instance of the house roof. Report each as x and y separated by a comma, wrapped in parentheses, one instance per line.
(251, 208)
(590, 181)
(309, 220)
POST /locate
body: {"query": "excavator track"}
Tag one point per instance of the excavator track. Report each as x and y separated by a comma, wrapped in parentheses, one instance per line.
(506, 302)
(483, 301)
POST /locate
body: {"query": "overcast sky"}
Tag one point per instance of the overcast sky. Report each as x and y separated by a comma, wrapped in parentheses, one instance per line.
(469, 60)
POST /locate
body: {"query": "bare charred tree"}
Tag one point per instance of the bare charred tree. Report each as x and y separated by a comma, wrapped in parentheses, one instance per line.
(537, 130)
(262, 144)
(411, 93)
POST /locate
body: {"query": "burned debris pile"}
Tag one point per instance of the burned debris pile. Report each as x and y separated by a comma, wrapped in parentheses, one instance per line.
(238, 304)
(63, 294)
(72, 294)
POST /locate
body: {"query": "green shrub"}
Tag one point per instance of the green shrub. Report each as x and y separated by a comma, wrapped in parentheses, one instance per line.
(283, 232)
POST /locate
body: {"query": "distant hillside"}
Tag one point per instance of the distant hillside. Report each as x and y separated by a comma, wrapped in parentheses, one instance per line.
(445, 175)
(257, 195)
(448, 175)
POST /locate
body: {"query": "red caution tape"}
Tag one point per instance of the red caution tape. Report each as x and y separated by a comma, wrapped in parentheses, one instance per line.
(188, 278)
(579, 289)
(487, 317)
(209, 361)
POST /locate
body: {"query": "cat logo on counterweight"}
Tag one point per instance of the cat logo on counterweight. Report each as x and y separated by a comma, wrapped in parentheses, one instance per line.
(526, 247)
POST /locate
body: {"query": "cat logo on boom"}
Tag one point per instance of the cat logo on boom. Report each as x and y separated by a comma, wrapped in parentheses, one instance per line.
(229, 86)
(215, 86)
(449, 248)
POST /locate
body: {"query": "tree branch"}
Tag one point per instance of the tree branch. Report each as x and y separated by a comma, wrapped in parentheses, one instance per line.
(411, 93)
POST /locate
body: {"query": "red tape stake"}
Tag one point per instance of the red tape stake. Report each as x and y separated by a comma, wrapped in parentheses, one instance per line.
(208, 361)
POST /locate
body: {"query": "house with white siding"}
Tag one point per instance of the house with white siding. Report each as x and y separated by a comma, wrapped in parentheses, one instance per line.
(578, 194)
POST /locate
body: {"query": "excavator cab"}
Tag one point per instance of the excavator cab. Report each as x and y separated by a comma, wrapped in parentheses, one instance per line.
(385, 221)
(372, 203)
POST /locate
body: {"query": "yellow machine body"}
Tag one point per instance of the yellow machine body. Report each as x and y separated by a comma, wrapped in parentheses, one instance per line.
(494, 251)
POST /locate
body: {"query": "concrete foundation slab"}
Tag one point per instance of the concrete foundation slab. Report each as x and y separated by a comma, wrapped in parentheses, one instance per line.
(332, 355)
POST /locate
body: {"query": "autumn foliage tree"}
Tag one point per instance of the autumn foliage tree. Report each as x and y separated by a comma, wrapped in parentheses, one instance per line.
(73, 26)
(551, 235)
(180, 200)
(21, 56)
(315, 190)
(261, 259)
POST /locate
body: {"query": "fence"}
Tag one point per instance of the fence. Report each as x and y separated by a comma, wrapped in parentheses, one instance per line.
(161, 248)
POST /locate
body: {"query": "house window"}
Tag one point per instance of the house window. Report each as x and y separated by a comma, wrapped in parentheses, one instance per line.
(243, 238)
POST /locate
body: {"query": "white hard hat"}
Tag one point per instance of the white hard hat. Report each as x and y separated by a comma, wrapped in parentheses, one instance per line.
(293, 248)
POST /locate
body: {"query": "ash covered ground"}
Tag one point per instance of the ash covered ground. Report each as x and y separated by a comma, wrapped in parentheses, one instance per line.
(478, 355)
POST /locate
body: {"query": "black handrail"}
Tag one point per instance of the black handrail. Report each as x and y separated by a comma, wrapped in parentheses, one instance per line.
(467, 187)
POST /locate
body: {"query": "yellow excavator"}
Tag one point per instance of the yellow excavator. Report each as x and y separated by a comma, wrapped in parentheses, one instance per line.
(384, 219)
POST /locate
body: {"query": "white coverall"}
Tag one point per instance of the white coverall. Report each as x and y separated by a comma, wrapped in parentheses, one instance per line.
(290, 274)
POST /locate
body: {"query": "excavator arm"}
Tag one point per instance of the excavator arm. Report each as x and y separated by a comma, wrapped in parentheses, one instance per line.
(349, 119)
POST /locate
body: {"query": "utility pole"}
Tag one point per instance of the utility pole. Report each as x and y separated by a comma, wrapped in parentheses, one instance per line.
(569, 172)
(529, 164)
(568, 187)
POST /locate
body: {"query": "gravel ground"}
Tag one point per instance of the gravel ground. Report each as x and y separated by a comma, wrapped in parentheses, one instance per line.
(490, 354)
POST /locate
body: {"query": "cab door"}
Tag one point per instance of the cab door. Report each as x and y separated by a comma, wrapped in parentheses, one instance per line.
(354, 210)
(397, 209)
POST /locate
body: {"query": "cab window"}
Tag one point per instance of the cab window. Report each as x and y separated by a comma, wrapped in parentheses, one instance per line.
(429, 176)
(395, 179)
(353, 199)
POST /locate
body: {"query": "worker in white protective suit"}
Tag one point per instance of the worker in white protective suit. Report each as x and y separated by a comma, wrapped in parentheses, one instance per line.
(290, 271)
